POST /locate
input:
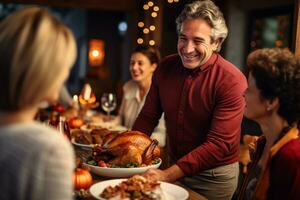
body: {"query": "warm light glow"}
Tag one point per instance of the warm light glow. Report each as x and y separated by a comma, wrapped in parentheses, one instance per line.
(170, 1)
(75, 102)
(154, 14)
(156, 8)
(146, 7)
(176, 0)
(152, 28)
(96, 52)
(146, 30)
(87, 95)
(152, 42)
(150, 3)
(75, 98)
(140, 40)
(141, 24)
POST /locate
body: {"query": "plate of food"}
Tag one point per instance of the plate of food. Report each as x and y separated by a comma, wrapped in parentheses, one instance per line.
(137, 186)
(90, 126)
(123, 155)
(88, 138)
(120, 171)
(83, 146)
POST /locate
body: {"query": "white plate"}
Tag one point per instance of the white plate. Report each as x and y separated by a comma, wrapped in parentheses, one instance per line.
(171, 191)
(118, 128)
(83, 146)
(119, 172)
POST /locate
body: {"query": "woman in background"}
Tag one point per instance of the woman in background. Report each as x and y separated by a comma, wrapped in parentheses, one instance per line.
(143, 62)
(37, 52)
(273, 100)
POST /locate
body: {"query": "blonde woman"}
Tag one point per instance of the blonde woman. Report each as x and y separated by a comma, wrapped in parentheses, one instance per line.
(37, 52)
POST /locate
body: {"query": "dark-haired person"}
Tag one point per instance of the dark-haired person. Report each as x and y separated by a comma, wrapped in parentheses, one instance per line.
(143, 62)
(273, 100)
(201, 96)
(37, 52)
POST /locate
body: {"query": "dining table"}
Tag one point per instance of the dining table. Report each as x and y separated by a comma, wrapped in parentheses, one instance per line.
(83, 153)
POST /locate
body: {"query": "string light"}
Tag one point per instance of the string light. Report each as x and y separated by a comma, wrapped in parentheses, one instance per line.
(140, 40)
(156, 8)
(152, 42)
(145, 7)
(150, 3)
(154, 14)
(176, 1)
(170, 1)
(146, 30)
(141, 24)
(150, 8)
(152, 28)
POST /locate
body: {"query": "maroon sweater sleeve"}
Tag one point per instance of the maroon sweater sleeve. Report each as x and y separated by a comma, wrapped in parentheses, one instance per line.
(151, 112)
(222, 143)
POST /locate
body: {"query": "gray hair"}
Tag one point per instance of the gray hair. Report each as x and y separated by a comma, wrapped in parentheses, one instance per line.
(207, 10)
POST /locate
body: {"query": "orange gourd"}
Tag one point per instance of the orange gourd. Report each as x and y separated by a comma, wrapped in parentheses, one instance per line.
(82, 179)
(75, 122)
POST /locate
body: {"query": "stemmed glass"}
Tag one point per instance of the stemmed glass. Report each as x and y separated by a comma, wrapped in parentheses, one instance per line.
(108, 103)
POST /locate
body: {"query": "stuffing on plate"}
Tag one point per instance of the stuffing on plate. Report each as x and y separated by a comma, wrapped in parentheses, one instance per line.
(134, 188)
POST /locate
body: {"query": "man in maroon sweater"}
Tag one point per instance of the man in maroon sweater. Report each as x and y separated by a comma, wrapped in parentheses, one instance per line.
(201, 95)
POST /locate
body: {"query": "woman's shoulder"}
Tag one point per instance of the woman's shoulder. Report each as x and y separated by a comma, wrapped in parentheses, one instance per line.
(130, 89)
(34, 141)
(129, 85)
(34, 135)
(289, 155)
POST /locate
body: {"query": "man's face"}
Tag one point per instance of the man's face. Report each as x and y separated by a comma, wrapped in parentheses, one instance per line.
(194, 43)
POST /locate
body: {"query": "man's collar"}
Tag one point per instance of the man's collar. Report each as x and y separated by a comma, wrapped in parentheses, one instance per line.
(203, 67)
(209, 62)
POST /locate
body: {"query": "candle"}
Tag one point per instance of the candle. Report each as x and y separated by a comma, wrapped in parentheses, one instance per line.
(75, 100)
(87, 92)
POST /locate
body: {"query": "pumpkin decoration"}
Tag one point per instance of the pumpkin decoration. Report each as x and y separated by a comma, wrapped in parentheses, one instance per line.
(82, 179)
(75, 122)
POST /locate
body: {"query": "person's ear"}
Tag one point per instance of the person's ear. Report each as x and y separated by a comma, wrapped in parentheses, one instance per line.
(153, 67)
(215, 44)
(273, 104)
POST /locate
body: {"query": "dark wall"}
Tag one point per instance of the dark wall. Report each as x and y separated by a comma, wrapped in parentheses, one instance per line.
(104, 25)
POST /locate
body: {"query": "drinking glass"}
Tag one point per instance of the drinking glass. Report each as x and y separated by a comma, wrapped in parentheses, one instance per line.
(108, 103)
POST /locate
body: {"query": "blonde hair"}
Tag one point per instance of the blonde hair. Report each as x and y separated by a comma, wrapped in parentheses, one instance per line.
(35, 50)
(208, 11)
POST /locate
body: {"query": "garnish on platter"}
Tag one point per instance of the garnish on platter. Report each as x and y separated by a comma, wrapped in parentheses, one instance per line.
(136, 187)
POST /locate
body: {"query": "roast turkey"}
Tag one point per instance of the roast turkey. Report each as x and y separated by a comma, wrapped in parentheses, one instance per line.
(127, 147)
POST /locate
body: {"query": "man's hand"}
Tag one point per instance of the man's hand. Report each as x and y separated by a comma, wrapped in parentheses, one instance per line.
(169, 175)
(156, 175)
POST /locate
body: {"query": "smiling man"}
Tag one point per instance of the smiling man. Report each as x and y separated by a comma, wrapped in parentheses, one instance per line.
(201, 95)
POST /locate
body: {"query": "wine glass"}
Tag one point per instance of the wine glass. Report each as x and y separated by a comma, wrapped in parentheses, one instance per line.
(108, 103)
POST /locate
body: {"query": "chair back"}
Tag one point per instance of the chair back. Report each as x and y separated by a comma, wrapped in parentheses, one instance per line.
(261, 142)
